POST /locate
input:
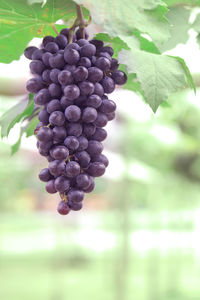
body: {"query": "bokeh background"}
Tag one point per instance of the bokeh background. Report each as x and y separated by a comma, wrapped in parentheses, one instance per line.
(138, 235)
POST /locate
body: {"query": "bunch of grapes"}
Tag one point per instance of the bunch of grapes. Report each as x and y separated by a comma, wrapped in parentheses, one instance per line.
(70, 82)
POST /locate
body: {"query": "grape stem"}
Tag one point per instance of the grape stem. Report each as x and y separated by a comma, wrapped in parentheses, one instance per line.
(79, 22)
(54, 28)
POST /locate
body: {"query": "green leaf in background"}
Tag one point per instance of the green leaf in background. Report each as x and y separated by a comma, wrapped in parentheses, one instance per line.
(21, 22)
(31, 126)
(159, 75)
(15, 114)
(16, 146)
(182, 2)
(121, 18)
(179, 18)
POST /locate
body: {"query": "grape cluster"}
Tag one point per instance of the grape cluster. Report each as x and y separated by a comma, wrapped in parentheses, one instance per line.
(70, 82)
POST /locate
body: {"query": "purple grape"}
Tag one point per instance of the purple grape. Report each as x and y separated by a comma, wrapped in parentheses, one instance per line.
(61, 41)
(65, 77)
(65, 31)
(100, 135)
(114, 64)
(53, 105)
(33, 85)
(54, 75)
(83, 143)
(101, 158)
(95, 74)
(108, 84)
(45, 134)
(86, 87)
(37, 67)
(45, 175)
(57, 167)
(74, 129)
(94, 101)
(87, 50)
(81, 100)
(45, 146)
(37, 54)
(45, 58)
(101, 120)
(85, 62)
(107, 106)
(89, 114)
(119, 77)
(74, 46)
(47, 39)
(51, 47)
(83, 158)
(72, 113)
(71, 92)
(83, 181)
(63, 208)
(55, 90)
(28, 52)
(98, 89)
(71, 56)
(106, 55)
(59, 134)
(98, 44)
(110, 116)
(72, 169)
(46, 76)
(50, 187)
(72, 143)
(57, 118)
(94, 148)
(96, 169)
(43, 117)
(89, 130)
(108, 49)
(91, 186)
(64, 102)
(42, 97)
(80, 74)
(103, 63)
(75, 195)
(70, 68)
(82, 42)
(78, 34)
(57, 61)
(59, 152)
(75, 205)
(62, 184)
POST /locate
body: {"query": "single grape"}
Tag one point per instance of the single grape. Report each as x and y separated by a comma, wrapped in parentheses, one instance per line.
(72, 113)
(71, 56)
(70, 68)
(45, 58)
(45, 175)
(98, 89)
(72, 143)
(101, 158)
(106, 55)
(54, 75)
(98, 44)
(71, 92)
(47, 39)
(83, 143)
(51, 47)
(50, 187)
(65, 77)
(45, 134)
(46, 76)
(119, 77)
(33, 85)
(57, 167)
(43, 117)
(114, 64)
(89, 114)
(75, 205)
(86, 87)
(85, 62)
(100, 135)
(79, 34)
(96, 169)
(55, 90)
(83, 158)
(107, 49)
(65, 102)
(75, 195)
(61, 41)
(80, 101)
(88, 50)
(59, 152)
(108, 84)
(80, 74)
(72, 169)
(59, 134)
(74, 129)
(101, 120)
(107, 106)
(82, 42)
(91, 187)
(57, 118)
(94, 101)
(37, 54)
(83, 181)
(53, 105)
(65, 31)
(110, 116)
(94, 148)
(63, 208)
(42, 97)
(28, 52)
(89, 130)
(57, 61)
(62, 184)
(103, 63)
(74, 46)
(37, 67)
(95, 74)
(45, 146)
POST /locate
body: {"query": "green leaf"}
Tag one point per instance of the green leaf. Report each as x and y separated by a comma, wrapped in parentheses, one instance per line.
(15, 114)
(182, 2)
(21, 22)
(179, 18)
(189, 78)
(159, 75)
(15, 147)
(31, 126)
(123, 17)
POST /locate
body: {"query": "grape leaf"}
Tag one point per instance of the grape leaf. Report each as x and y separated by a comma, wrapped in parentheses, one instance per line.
(21, 22)
(15, 147)
(182, 2)
(179, 18)
(123, 17)
(159, 75)
(15, 114)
